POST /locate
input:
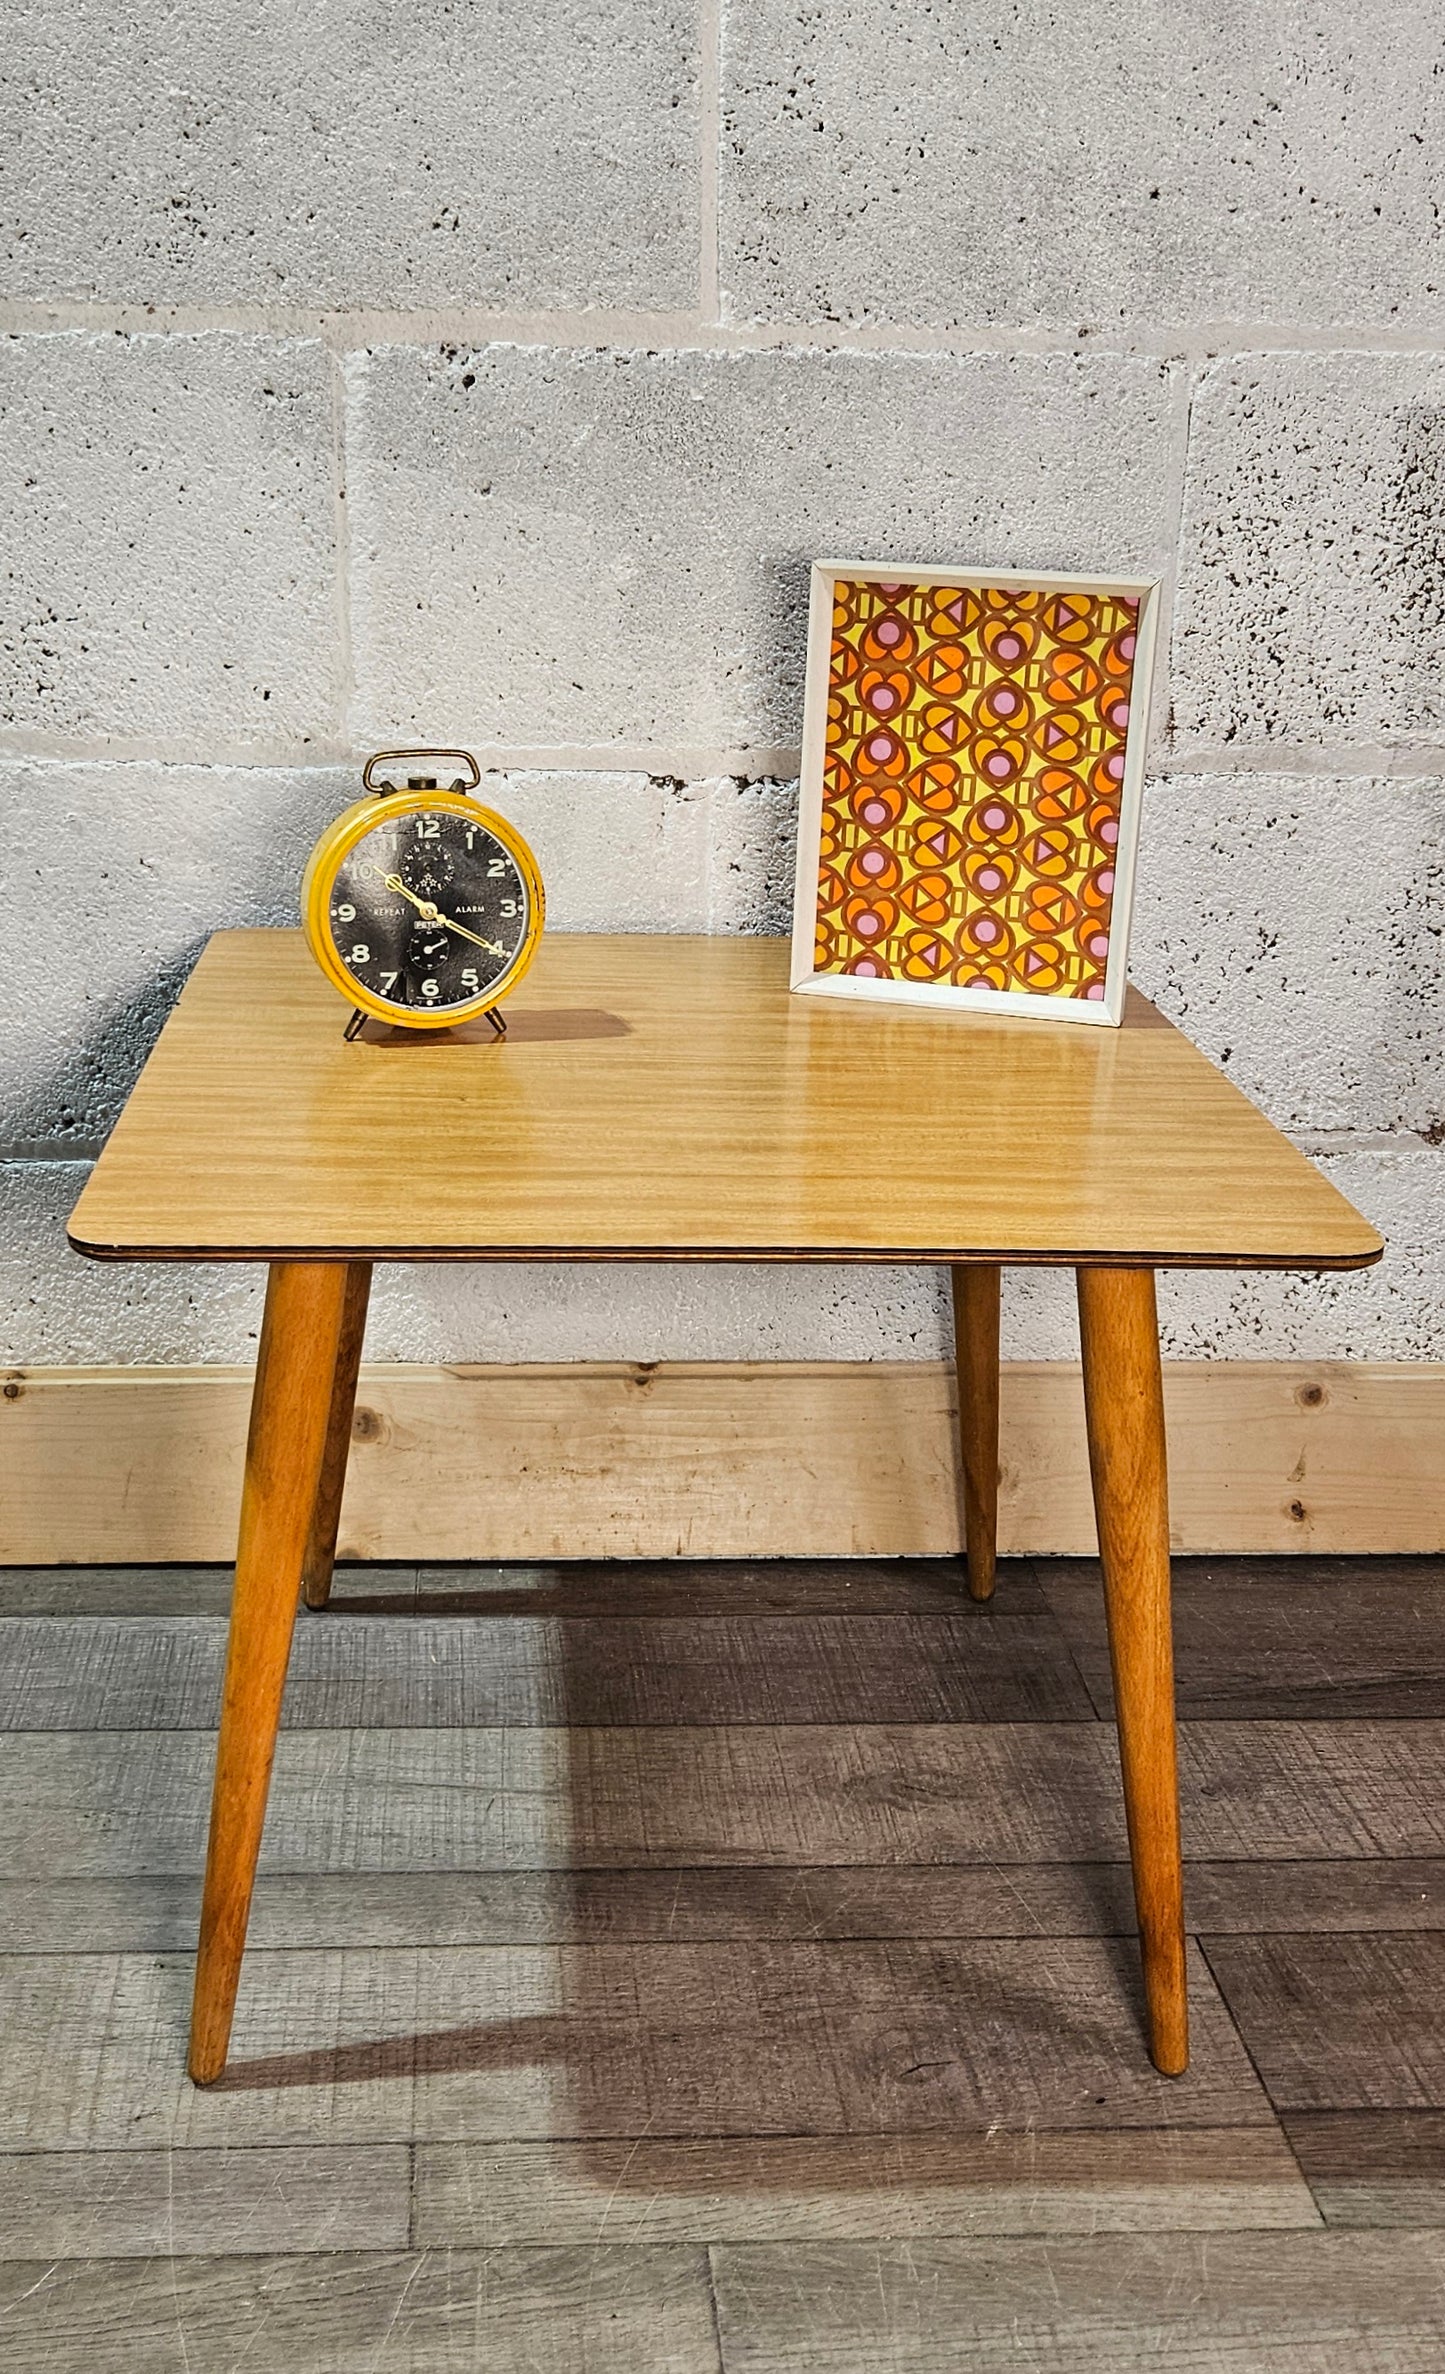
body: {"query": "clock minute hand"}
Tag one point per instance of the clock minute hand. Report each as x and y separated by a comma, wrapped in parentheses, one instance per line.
(493, 947)
(434, 914)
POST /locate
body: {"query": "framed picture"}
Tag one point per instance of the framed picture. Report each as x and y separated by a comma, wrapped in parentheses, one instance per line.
(973, 759)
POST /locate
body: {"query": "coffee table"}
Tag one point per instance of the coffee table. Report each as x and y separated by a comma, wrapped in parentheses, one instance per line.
(668, 1099)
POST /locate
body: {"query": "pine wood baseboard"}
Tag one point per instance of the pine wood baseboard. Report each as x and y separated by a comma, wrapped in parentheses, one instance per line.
(717, 1460)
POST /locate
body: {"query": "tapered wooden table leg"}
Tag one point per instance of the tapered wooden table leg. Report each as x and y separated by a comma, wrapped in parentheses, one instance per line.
(320, 1558)
(290, 1406)
(975, 1352)
(1123, 1394)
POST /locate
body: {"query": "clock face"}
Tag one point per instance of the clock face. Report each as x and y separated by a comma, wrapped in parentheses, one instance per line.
(429, 910)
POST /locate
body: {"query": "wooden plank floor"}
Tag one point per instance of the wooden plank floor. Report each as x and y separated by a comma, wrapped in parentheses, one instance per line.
(726, 1970)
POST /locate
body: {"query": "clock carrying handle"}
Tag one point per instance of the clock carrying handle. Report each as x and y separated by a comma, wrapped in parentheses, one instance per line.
(385, 758)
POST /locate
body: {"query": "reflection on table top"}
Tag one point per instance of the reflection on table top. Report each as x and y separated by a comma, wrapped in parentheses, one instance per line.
(669, 1098)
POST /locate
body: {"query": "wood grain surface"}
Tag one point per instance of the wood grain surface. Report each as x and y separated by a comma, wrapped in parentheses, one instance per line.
(976, 1303)
(106, 1805)
(1372, 2167)
(500, 2044)
(301, 1332)
(1349, 2022)
(1228, 2304)
(318, 1564)
(157, 1913)
(611, 1588)
(116, 1673)
(603, 2311)
(1124, 1402)
(700, 1461)
(724, 2046)
(886, 2188)
(1256, 1638)
(667, 1097)
(149, 2204)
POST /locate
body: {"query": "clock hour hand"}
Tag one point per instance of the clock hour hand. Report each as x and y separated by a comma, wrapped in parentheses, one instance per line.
(434, 914)
(395, 882)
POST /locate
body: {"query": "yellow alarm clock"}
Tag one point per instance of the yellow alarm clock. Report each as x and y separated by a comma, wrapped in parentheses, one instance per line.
(421, 906)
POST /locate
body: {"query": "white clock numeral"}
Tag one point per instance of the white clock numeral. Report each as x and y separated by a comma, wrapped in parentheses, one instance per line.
(361, 954)
(389, 982)
(509, 906)
(496, 867)
(428, 828)
(431, 989)
(469, 978)
(346, 914)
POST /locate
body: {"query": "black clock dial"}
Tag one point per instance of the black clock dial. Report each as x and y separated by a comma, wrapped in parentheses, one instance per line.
(428, 911)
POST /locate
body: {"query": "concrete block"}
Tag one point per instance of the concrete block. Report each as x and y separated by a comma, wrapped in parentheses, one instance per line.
(1293, 927)
(658, 1311)
(167, 544)
(612, 548)
(475, 154)
(1003, 164)
(624, 852)
(1395, 1311)
(1311, 605)
(58, 1310)
(114, 876)
(752, 849)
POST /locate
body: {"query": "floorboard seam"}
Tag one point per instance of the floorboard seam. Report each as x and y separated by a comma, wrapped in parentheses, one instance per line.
(1244, 2046)
(709, 2251)
(1101, 1714)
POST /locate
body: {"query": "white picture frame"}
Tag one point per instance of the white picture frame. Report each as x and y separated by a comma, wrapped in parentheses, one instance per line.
(1106, 1009)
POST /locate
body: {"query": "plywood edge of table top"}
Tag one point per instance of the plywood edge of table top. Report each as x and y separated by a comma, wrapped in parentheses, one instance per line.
(640, 975)
(882, 1257)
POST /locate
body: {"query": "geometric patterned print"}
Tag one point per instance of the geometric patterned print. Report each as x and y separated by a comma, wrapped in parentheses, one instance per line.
(972, 778)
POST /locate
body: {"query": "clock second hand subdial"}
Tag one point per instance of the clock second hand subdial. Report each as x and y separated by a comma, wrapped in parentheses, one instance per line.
(433, 914)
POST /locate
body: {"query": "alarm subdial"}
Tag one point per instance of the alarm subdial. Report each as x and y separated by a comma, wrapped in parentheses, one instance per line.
(428, 868)
(429, 946)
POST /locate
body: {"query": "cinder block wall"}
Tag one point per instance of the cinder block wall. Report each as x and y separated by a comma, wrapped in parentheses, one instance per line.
(489, 374)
